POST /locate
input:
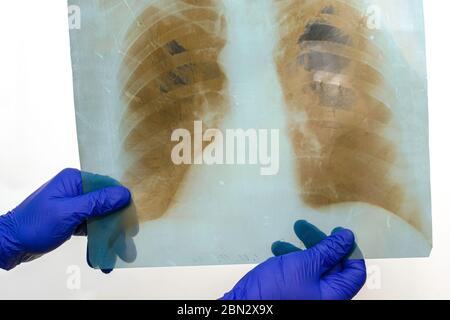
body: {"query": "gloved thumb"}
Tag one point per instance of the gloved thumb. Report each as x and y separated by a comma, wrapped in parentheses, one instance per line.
(334, 249)
(100, 202)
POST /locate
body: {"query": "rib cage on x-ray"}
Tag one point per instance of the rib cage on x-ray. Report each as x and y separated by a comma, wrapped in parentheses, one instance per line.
(332, 76)
(340, 98)
(349, 106)
(171, 77)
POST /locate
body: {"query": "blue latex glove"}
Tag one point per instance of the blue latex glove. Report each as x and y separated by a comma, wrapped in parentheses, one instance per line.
(115, 237)
(51, 215)
(322, 272)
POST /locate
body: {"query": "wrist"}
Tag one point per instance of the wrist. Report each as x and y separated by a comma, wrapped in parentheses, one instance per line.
(10, 253)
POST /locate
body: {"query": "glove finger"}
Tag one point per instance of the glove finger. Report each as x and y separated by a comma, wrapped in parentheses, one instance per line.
(331, 251)
(347, 283)
(126, 248)
(105, 271)
(120, 236)
(67, 183)
(309, 234)
(338, 267)
(92, 182)
(100, 202)
(356, 253)
(281, 248)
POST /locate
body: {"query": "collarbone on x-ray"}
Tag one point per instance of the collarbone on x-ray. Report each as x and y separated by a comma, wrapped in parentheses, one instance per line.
(328, 95)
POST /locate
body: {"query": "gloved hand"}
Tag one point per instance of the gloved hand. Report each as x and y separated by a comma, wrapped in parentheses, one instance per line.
(322, 272)
(51, 215)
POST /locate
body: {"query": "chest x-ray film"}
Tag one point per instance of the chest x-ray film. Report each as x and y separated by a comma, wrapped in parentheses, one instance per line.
(230, 120)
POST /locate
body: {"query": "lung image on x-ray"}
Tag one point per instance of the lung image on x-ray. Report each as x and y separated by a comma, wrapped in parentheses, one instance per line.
(230, 120)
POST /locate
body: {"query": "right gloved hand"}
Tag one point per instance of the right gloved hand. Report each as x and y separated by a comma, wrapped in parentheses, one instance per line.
(322, 272)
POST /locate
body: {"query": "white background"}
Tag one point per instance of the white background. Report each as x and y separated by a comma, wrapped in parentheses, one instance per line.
(38, 138)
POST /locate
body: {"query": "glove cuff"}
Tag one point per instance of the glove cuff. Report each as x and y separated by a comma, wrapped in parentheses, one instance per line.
(10, 253)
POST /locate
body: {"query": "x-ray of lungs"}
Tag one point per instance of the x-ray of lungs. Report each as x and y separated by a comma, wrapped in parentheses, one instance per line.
(229, 120)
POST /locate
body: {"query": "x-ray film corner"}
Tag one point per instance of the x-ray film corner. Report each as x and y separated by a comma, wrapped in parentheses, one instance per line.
(231, 120)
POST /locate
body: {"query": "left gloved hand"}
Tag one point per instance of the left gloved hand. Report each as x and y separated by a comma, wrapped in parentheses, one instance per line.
(51, 215)
(322, 272)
